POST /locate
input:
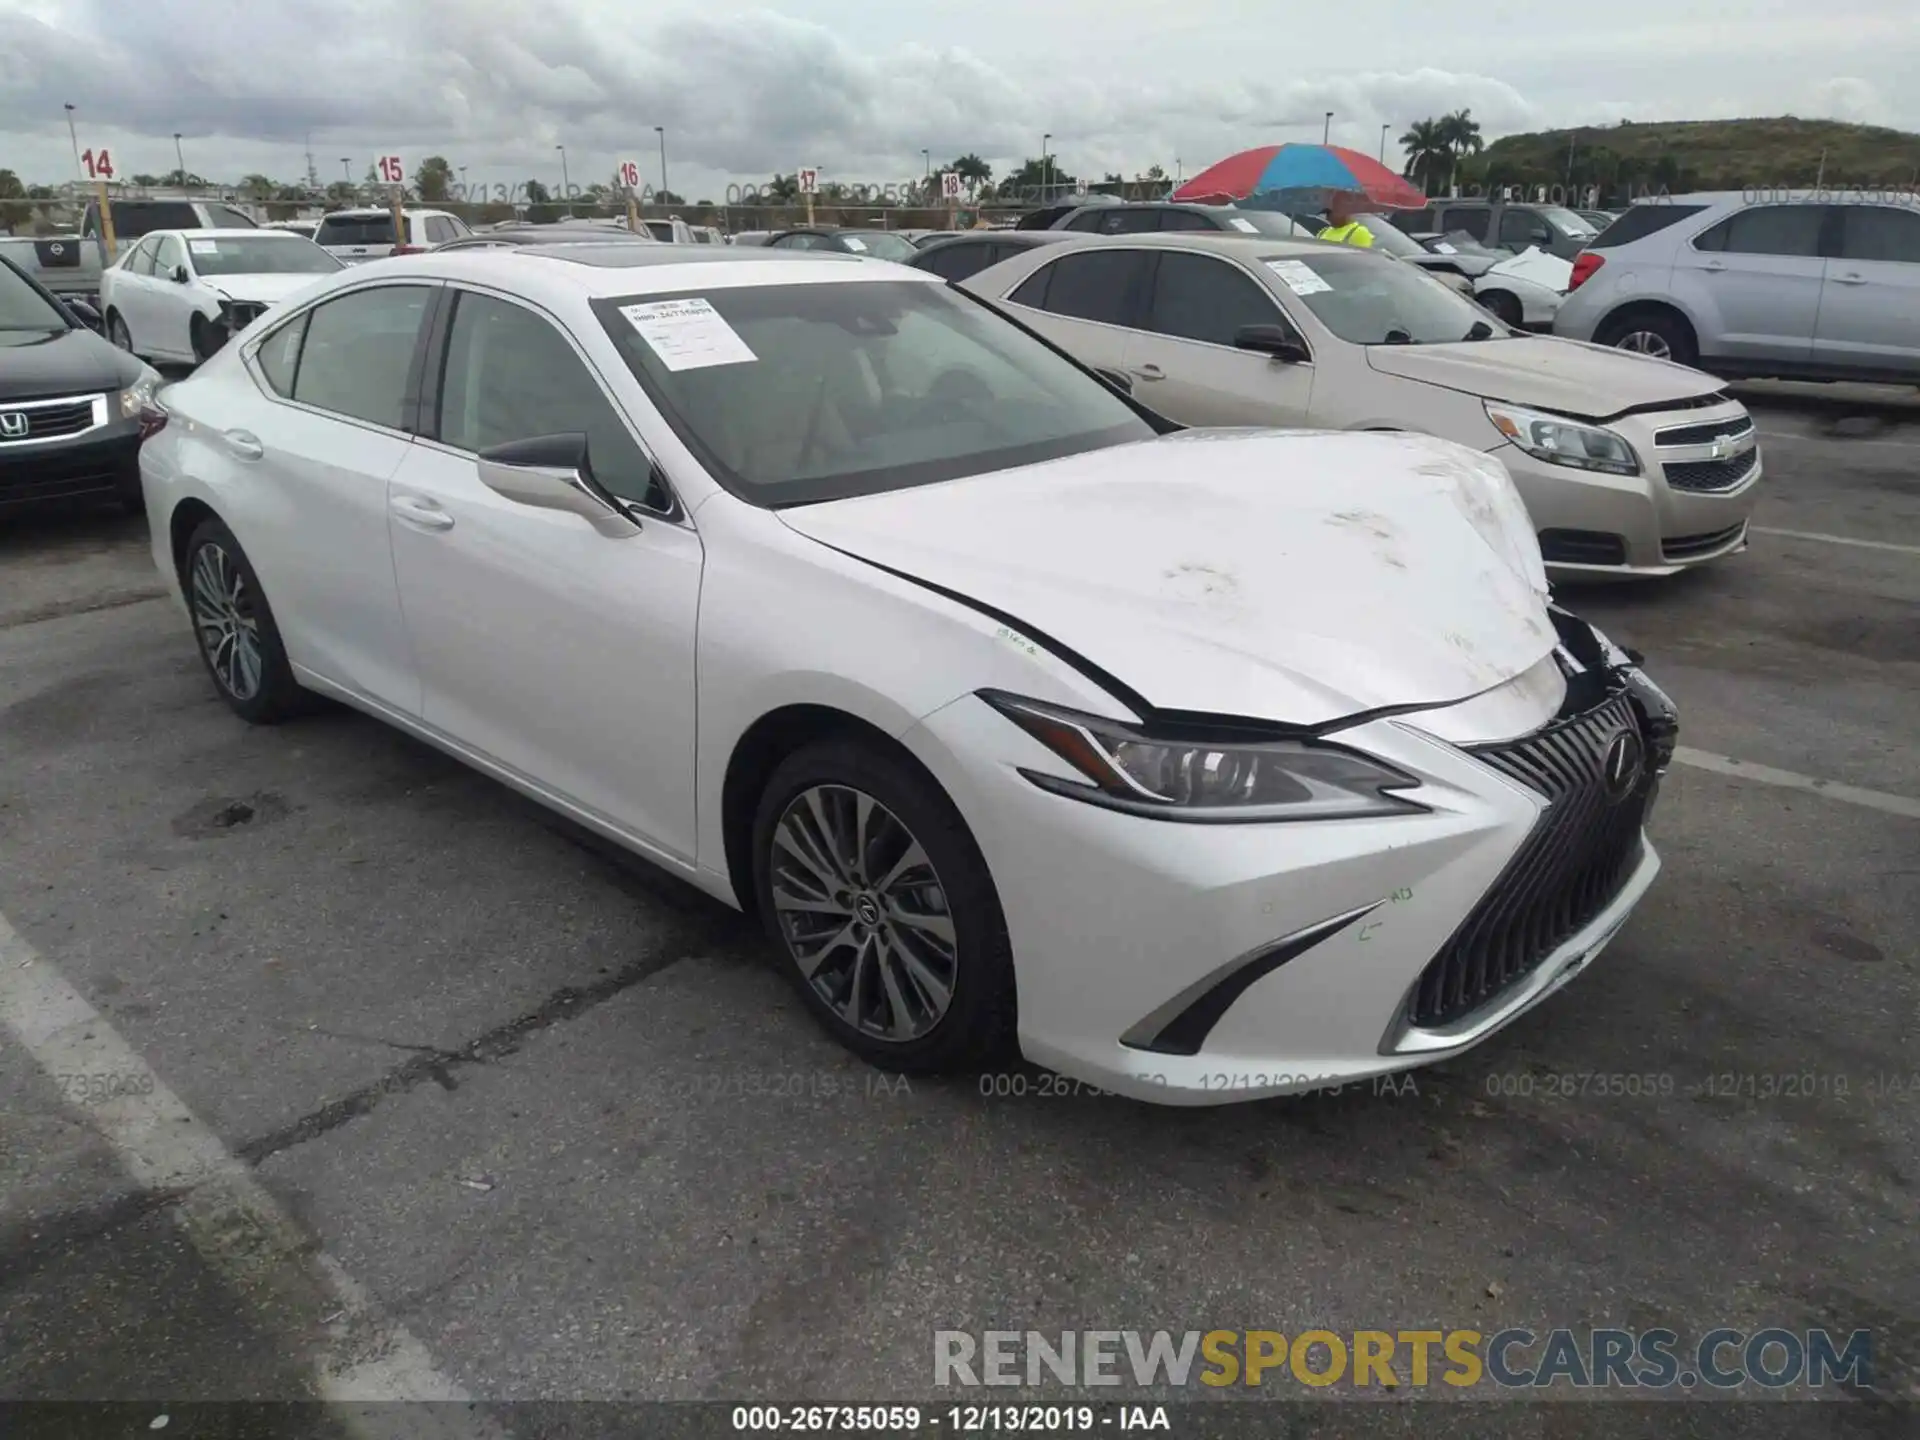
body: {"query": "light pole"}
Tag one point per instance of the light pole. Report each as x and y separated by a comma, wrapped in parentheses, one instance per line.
(1046, 166)
(1326, 130)
(661, 131)
(74, 136)
(346, 168)
(566, 180)
(1383, 143)
(179, 159)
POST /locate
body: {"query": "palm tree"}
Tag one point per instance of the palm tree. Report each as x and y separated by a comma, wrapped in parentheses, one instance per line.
(1429, 152)
(1462, 134)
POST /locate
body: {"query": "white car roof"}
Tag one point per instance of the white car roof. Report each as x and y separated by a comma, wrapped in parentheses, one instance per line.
(586, 271)
(233, 232)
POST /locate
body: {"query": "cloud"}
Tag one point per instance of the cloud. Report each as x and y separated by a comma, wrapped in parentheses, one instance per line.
(498, 84)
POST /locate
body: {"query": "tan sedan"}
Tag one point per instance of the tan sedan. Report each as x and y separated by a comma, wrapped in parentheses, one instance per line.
(1629, 466)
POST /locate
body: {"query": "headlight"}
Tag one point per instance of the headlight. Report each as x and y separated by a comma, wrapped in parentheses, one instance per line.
(139, 395)
(1198, 779)
(1560, 441)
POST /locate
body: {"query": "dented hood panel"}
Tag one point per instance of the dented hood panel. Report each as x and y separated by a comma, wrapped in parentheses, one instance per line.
(1296, 577)
(1590, 382)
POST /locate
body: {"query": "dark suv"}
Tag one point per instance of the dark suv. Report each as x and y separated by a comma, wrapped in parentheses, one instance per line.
(1138, 219)
(1554, 228)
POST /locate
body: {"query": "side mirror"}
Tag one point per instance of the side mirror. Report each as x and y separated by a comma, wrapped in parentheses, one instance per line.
(1274, 340)
(179, 274)
(550, 472)
(1119, 379)
(85, 313)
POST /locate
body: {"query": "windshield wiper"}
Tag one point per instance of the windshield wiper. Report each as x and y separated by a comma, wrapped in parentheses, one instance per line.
(1480, 331)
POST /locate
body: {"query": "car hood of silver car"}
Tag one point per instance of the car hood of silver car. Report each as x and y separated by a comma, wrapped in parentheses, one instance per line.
(1589, 382)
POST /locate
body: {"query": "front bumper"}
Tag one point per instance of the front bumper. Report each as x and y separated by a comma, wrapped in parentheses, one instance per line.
(1613, 527)
(101, 463)
(1204, 964)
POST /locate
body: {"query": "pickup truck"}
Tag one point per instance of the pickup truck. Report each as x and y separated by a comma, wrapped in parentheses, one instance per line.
(70, 265)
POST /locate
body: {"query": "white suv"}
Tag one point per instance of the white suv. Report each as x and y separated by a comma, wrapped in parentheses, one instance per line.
(367, 233)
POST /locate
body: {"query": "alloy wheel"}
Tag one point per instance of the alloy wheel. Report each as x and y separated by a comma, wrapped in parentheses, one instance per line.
(1647, 342)
(863, 912)
(223, 614)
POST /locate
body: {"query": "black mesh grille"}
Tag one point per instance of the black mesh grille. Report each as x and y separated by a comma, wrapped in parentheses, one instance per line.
(1582, 547)
(1568, 870)
(49, 422)
(1729, 428)
(1708, 475)
(1686, 547)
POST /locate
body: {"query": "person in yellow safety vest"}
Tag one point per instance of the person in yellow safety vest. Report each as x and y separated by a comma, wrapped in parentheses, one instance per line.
(1342, 228)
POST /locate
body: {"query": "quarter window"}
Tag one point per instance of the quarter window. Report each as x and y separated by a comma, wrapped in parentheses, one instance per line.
(1098, 286)
(1880, 232)
(1767, 230)
(358, 350)
(1196, 297)
(511, 375)
(279, 357)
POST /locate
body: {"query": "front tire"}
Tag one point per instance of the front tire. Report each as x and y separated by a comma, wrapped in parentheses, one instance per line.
(1653, 333)
(234, 627)
(118, 333)
(201, 336)
(1503, 305)
(882, 906)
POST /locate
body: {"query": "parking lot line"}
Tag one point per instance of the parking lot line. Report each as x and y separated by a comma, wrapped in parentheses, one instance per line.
(1788, 779)
(1837, 539)
(233, 1222)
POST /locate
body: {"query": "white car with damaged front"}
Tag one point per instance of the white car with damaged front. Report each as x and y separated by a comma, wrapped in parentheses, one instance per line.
(178, 295)
(1206, 765)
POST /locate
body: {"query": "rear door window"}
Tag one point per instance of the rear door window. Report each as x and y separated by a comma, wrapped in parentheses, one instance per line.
(1880, 232)
(1197, 297)
(1521, 228)
(1767, 230)
(1104, 286)
(358, 350)
(439, 231)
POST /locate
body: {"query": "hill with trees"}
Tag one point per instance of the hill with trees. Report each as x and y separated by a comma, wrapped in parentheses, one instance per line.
(1631, 158)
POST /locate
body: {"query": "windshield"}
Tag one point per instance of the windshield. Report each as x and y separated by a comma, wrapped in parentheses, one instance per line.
(260, 255)
(1565, 221)
(24, 308)
(797, 393)
(1388, 237)
(883, 244)
(1369, 300)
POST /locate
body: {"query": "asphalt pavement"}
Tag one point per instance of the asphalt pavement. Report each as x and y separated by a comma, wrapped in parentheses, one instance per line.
(564, 1127)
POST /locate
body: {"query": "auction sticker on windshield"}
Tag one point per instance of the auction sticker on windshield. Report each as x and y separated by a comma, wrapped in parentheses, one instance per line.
(1299, 277)
(854, 242)
(203, 247)
(687, 334)
(1247, 225)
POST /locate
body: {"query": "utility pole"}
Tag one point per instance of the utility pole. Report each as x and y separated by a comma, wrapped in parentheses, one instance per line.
(313, 175)
(74, 136)
(1383, 143)
(1046, 166)
(661, 131)
(566, 180)
(1326, 130)
(346, 167)
(1573, 138)
(179, 159)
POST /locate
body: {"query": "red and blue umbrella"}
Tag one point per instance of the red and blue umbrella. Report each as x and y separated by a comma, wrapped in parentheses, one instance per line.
(1282, 171)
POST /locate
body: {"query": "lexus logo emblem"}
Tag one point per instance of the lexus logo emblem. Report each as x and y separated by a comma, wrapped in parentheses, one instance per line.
(1621, 768)
(13, 424)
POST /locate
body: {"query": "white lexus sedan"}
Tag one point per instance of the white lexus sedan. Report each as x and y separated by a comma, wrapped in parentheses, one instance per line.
(1202, 765)
(179, 294)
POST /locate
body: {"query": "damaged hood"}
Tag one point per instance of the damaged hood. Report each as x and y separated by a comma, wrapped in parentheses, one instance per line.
(1589, 382)
(1538, 266)
(1296, 577)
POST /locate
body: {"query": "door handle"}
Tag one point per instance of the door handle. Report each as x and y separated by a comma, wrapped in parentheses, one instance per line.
(1713, 265)
(1850, 279)
(244, 444)
(420, 512)
(1149, 371)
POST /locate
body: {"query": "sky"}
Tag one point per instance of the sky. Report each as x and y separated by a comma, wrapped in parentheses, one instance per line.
(859, 89)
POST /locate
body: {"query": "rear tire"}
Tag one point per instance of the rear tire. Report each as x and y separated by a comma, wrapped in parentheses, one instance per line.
(234, 628)
(1657, 333)
(898, 946)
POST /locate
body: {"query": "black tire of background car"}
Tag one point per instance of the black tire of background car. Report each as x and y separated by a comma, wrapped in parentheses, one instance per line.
(1681, 347)
(1504, 305)
(978, 1027)
(280, 696)
(205, 339)
(118, 333)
